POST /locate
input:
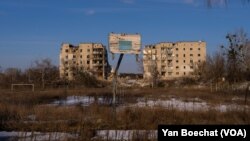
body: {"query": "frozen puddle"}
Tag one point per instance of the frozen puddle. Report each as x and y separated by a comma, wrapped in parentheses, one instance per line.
(36, 136)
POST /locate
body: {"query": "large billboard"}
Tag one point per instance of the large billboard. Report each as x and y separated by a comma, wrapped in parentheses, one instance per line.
(124, 43)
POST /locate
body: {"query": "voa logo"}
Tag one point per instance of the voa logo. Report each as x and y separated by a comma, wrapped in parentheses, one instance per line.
(233, 132)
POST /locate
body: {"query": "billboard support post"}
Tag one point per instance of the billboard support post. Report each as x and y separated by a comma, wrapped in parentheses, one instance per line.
(122, 44)
(115, 85)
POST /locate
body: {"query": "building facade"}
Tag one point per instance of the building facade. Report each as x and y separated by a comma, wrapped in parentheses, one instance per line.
(90, 57)
(172, 60)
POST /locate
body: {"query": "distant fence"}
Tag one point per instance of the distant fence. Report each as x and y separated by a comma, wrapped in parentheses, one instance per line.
(13, 86)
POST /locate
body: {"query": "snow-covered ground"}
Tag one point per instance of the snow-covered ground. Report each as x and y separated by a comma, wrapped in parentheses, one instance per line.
(172, 103)
(76, 100)
(34, 136)
(125, 135)
(193, 105)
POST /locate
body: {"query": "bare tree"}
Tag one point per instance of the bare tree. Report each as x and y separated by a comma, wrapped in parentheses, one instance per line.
(213, 69)
(216, 65)
(13, 74)
(236, 53)
(85, 78)
(74, 74)
(155, 75)
(211, 3)
(153, 72)
(1, 77)
(43, 72)
(247, 60)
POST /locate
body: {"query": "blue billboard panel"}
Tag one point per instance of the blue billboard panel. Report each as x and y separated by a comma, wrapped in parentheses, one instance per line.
(125, 45)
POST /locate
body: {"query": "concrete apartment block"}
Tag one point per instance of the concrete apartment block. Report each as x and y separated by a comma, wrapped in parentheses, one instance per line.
(90, 57)
(172, 60)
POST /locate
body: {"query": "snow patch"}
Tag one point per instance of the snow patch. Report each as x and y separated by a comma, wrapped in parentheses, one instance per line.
(75, 100)
(172, 103)
(192, 105)
(126, 135)
(38, 136)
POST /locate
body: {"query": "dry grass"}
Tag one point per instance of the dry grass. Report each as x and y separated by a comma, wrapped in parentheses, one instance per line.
(27, 111)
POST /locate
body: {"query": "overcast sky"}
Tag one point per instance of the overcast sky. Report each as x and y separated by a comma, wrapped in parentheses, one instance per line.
(35, 29)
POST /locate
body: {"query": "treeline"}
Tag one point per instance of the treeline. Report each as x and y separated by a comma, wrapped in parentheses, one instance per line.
(230, 63)
(42, 73)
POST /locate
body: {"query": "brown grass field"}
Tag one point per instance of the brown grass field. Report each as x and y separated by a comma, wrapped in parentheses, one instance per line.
(30, 111)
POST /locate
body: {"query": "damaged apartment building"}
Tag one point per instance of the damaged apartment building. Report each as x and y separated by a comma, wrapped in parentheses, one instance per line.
(88, 57)
(169, 60)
